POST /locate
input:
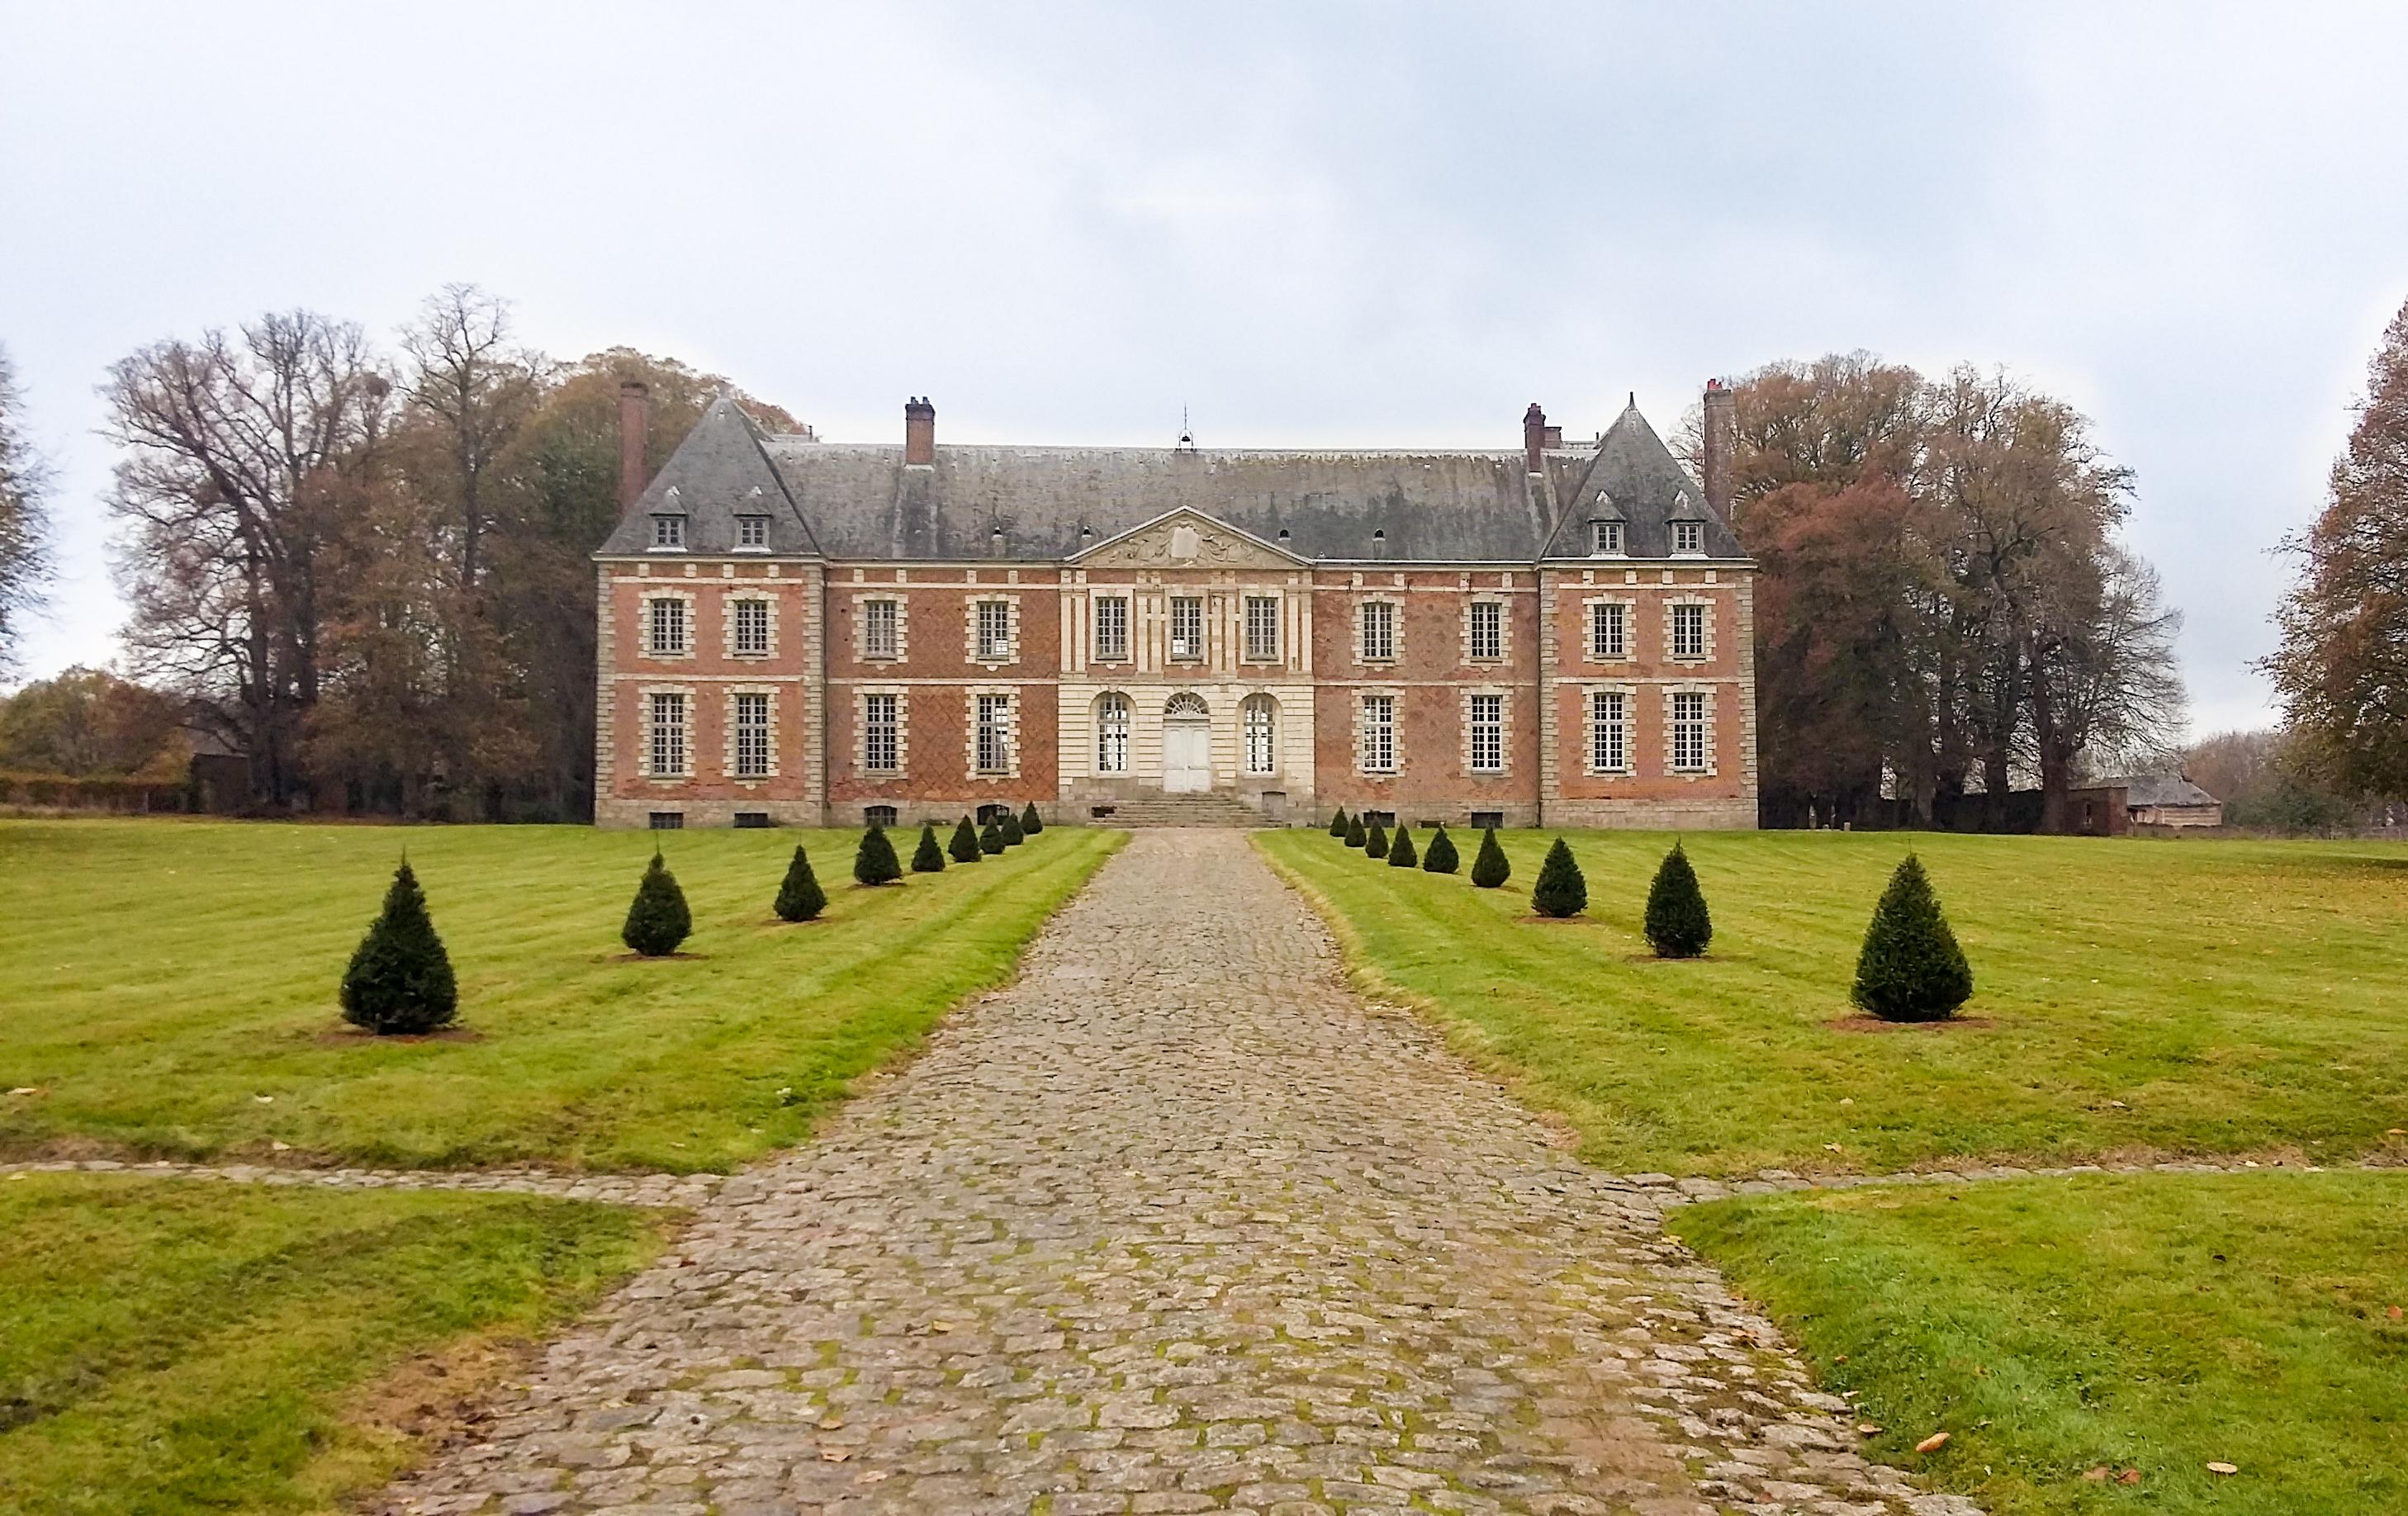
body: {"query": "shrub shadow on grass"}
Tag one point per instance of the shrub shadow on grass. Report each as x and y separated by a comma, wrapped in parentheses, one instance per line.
(651, 957)
(1859, 1022)
(350, 1036)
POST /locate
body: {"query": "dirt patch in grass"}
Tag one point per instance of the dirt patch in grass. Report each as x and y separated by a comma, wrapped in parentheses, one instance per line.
(1859, 1022)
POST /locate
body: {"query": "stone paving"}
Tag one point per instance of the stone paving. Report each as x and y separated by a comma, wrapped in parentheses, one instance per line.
(1173, 1224)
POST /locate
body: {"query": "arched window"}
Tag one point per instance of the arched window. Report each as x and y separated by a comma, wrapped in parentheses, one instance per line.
(1112, 734)
(1261, 722)
(1183, 704)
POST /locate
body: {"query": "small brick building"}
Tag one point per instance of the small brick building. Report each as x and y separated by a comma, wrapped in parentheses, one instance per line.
(817, 633)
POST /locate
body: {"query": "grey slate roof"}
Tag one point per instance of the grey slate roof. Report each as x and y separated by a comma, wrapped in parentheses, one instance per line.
(1642, 483)
(861, 501)
(2161, 790)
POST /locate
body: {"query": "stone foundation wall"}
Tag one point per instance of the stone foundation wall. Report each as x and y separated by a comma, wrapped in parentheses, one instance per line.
(1703, 814)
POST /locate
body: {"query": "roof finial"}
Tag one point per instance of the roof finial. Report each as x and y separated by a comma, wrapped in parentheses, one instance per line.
(1634, 400)
(1186, 436)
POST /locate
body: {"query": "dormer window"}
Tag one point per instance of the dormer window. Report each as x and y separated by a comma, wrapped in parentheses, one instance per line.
(753, 534)
(1688, 538)
(668, 533)
(1605, 538)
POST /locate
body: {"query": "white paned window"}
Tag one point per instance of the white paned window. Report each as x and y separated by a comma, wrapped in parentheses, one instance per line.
(1688, 536)
(1609, 630)
(882, 733)
(1688, 731)
(1688, 631)
(880, 629)
(1112, 626)
(1487, 629)
(669, 532)
(668, 734)
(1262, 627)
(1487, 734)
(993, 629)
(1260, 720)
(752, 735)
(751, 628)
(1609, 731)
(1605, 537)
(666, 626)
(1187, 626)
(994, 734)
(752, 533)
(1379, 733)
(1379, 631)
(1112, 734)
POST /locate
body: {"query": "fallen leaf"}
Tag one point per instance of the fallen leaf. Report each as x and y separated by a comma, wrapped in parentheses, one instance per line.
(1842, 1359)
(1830, 1147)
(2397, 1131)
(265, 1099)
(2395, 1314)
(835, 1455)
(1933, 1443)
(2130, 1475)
(1847, 1100)
(1868, 1429)
(2223, 1468)
(25, 1089)
(2096, 1475)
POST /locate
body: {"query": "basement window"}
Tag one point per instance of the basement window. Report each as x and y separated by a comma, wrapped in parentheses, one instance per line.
(882, 817)
(747, 819)
(1484, 819)
(669, 820)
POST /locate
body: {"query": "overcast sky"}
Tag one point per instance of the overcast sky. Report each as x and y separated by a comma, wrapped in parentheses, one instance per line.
(1305, 224)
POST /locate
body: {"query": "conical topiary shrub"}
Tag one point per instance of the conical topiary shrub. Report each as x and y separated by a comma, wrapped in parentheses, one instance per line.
(1030, 822)
(874, 862)
(1009, 825)
(1439, 857)
(1560, 891)
(1490, 869)
(658, 921)
(1400, 849)
(1375, 841)
(1910, 968)
(1338, 825)
(1356, 836)
(991, 839)
(1677, 923)
(928, 858)
(399, 982)
(965, 846)
(801, 898)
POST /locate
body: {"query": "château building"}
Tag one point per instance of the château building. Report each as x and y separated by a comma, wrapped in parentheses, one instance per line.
(801, 632)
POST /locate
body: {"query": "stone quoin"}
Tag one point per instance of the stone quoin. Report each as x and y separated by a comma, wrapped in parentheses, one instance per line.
(799, 632)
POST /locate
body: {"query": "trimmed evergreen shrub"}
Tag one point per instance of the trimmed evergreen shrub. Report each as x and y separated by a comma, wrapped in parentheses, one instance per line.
(1910, 968)
(1338, 825)
(657, 921)
(1677, 923)
(965, 846)
(1009, 825)
(399, 982)
(1030, 822)
(801, 898)
(1375, 841)
(991, 839)
(1490, 869)
(1400, 849)
(1561, 890)
(1356, 836)
(928, 858)
(875, 863)
(1440, 858)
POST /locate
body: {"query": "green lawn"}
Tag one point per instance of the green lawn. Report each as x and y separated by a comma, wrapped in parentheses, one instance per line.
(2150, 1321)
(168, 988)
(2140, 996)
(172, 1345)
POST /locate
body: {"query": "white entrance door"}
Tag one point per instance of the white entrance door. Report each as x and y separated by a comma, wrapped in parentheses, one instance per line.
(1186, 756)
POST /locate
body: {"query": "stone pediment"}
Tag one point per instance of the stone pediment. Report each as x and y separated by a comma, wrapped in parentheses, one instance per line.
(1186, 539)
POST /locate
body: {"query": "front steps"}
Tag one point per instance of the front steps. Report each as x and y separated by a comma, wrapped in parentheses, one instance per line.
(1225, 810)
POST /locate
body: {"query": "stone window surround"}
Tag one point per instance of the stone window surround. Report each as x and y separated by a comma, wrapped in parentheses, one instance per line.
(1363, 698)
(1170, 624)
(1395, 626)
(1011, 653)
(1708, 768)
(1246, 654)
(1629, 605)
(1268, 705)
(1010, 770)
(771, 771)
(1706, 652)
(1504, 728)
(902, 730)
(644, 732)
(1126, 596)
(1504, 627)
(727, 604)
(1629, 693)
(902, 629)
(1127, 710)
(644, 625)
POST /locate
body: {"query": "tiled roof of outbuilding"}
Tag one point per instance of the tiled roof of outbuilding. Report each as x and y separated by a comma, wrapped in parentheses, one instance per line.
(2160, 790)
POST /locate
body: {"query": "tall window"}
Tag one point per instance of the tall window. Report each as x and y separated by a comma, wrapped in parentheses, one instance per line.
(1487, 629)
(751, 628)
(882, 629)
(1688, 536)
(1688, 731)
(994, 734)
(1379, 733)
(993, 629)
(752, 735)
(1609, 630)
(882, 733)
(669, 531)
(1112, 626)
(1260, 720)
(1187, 626)
(1262, 627)
(1487, 734)
(1112, 734)
(668, 734)
(1378, 630)
(1688, 631)
(1609, 732)
(752, 533)
(665, 625)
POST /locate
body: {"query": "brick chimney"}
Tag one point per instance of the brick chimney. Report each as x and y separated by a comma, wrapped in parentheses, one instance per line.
(635, 426)
(1721, 441)
(1534, 439)
(919, 430)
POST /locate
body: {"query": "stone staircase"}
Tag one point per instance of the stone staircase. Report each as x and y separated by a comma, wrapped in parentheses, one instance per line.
(1180, 811)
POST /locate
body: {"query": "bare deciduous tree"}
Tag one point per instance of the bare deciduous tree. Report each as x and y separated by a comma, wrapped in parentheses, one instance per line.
(24, 518)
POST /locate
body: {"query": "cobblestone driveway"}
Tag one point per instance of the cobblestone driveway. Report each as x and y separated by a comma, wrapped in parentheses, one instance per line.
(1175, 1224)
